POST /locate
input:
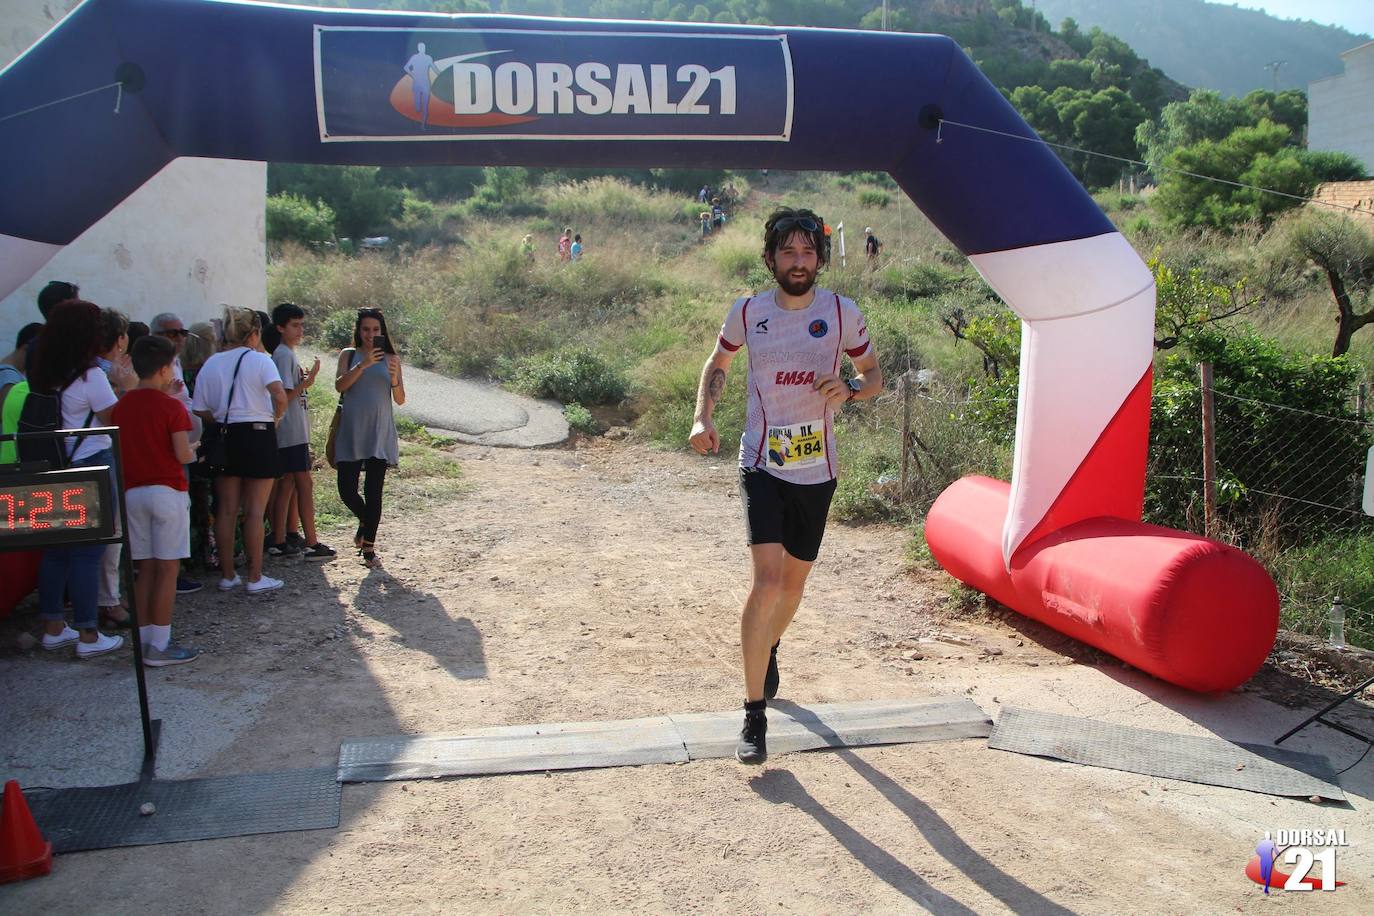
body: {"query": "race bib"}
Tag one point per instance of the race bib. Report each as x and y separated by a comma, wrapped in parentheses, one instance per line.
(801, 445)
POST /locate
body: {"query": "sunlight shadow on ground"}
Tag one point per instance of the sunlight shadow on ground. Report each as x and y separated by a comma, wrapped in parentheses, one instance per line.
(941, 837)
(422, 623)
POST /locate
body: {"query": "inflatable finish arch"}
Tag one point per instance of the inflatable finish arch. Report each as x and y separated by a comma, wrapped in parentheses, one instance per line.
(1063, 543)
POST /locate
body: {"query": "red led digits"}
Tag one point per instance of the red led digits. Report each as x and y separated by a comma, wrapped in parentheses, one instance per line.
(79, 508)
(34, 523)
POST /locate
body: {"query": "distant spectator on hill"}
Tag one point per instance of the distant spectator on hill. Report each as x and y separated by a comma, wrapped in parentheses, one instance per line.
(872, 247)
(705, 223)
(576, 250)
(527, 248)
(565, 244)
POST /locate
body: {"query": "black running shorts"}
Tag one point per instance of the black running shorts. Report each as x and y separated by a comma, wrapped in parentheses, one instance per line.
(295, 458)
(251, 451)
(777, 511)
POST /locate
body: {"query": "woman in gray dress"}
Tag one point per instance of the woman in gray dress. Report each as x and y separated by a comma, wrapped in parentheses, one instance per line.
(368, 380)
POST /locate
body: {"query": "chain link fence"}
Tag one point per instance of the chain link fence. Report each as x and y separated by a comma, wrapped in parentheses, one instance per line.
(1288, 483)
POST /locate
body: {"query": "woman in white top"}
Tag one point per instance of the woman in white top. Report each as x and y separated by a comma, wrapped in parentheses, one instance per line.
(119, 369)
(64, 364)
(240, 386)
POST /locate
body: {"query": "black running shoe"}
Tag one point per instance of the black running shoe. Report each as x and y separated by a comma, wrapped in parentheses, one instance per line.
(753, 738)
(772, 678)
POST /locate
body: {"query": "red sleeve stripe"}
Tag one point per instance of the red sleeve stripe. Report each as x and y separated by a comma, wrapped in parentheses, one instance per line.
(729, 346)
(858, 351)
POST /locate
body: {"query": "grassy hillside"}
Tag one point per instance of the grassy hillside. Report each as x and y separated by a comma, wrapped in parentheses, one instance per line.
(624, 332)
(1181, 37)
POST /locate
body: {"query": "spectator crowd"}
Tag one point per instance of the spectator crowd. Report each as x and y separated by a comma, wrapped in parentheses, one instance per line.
(214, 446)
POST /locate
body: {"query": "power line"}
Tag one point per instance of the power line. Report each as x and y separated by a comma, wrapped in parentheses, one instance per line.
(1161, 168)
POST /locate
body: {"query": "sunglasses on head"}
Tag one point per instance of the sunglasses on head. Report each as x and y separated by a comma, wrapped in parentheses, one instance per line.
(805, 223)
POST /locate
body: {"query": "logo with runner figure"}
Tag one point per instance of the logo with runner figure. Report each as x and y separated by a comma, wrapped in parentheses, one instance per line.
(818, 328)
(1294, 847)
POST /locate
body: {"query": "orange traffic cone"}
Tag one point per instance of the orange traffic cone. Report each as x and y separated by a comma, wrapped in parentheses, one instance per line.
(23, 852)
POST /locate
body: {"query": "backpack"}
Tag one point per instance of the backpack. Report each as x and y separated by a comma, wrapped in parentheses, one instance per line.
(42, 412)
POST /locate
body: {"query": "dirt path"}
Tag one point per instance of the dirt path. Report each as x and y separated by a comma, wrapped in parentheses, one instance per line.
(603, 583)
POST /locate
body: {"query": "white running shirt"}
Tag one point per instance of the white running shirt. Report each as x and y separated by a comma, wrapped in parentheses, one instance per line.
(788, 429)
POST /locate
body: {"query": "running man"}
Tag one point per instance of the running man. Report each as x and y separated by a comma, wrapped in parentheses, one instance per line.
(797, 334)
(422, 71)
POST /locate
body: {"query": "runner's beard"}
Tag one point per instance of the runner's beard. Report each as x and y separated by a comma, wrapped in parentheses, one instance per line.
(794, 285)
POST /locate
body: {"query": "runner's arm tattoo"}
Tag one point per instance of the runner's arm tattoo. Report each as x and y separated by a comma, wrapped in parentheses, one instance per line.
(711, 389)
(716, 385)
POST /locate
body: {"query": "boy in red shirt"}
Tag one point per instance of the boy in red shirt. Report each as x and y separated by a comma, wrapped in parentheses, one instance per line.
(154, 444)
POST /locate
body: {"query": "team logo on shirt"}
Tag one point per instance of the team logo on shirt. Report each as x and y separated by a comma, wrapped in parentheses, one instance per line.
(761, 327)
(818, 328)
(795, 378)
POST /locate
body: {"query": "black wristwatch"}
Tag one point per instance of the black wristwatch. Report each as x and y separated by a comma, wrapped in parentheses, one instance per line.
(854, 386)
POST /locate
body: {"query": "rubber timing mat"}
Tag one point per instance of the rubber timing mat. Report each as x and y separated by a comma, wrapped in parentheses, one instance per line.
(512, 749)
(792, 727)
(660, 739)
(189, 809)
(1209, 761)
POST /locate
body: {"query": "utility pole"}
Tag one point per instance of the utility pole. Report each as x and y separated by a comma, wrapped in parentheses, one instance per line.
(884, 15)
(1275, 66)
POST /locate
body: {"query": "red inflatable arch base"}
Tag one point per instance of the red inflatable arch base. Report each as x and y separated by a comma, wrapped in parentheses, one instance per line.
(1189, 610)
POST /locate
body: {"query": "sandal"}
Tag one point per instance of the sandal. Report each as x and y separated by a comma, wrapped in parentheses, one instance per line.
(368, 554)
(109, 620)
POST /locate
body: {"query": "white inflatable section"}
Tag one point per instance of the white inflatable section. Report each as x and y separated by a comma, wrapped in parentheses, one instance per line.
(20, 259)
(1064, 279)
(1088, 309)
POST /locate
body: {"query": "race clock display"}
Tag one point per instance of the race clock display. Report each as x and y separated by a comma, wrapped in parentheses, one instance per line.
(56, 507)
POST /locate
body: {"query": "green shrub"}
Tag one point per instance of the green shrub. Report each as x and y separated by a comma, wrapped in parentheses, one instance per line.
(877, 200)
(614, 199)
(570, 375)
(337, 330)
(1255, 380)
(921, 280)
(292, 218)
(581, 419)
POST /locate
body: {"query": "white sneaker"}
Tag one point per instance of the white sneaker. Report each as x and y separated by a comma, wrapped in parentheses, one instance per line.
(265, 584)
(65, 638)
(102, 644)
(228, 585)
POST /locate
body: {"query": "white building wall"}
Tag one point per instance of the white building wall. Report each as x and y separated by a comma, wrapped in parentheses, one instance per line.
(1340, 110)
(190, 239)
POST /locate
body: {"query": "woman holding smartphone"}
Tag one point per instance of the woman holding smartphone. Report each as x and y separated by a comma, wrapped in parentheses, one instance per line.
(369, 381)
